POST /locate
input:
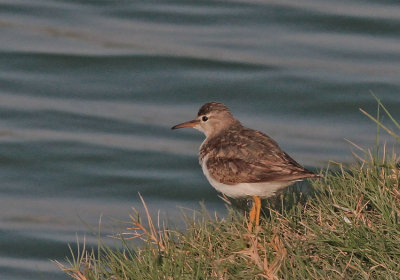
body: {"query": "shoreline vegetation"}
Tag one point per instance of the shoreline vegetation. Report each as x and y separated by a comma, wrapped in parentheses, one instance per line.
(348, 228)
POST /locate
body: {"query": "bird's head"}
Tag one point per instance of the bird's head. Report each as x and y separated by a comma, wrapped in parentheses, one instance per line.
(212, 118)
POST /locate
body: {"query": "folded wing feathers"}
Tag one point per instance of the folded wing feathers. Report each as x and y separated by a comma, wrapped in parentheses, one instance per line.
(249, 156)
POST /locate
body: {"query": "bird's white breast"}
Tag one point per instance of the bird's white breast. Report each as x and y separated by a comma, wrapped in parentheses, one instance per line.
(263, 189)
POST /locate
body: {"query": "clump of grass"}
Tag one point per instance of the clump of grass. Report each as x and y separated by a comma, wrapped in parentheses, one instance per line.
(348, 229)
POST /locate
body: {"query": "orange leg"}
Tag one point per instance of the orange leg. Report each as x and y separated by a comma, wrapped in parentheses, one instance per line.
(255, 212)
(257, 202)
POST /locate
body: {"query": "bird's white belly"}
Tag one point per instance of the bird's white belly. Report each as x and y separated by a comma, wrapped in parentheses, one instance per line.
(263, 189)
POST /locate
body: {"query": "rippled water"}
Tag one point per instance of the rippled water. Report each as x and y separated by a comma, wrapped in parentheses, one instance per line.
(90, 89)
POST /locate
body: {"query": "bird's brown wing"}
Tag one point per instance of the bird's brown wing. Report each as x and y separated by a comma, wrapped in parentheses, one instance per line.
(233, 171)
(251, 156)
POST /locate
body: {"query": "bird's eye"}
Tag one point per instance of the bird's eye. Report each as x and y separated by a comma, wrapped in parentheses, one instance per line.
(204, 118)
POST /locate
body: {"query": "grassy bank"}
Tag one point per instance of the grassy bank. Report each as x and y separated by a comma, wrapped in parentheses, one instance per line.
(347, 229)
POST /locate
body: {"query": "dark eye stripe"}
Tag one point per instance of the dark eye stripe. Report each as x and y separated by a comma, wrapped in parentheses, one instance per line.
(204, 118)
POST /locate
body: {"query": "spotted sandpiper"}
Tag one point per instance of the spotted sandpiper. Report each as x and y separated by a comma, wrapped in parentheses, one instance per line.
(242, 162)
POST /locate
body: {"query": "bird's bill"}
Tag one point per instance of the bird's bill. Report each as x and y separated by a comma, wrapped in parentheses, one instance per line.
(186, 124)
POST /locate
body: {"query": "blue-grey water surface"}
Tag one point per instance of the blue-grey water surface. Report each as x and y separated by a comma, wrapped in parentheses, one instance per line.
(90, 89)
